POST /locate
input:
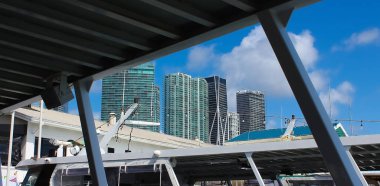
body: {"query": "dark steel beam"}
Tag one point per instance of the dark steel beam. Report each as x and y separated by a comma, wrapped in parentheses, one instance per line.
(12, 96)
(60, 38)
(183, 10)
(65, 21)
(47, 49)
(25, 70)
(42, 62)
(21, 80)
(328, 142)
(240, 5)
(14, 88)
(108, 10)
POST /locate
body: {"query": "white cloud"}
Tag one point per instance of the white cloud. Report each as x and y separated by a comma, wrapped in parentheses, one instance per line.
(341, 95)
(200, 57)
(253, 65)
(366, 37)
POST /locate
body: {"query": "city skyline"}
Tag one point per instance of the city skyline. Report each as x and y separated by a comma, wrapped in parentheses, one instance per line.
(337, 58)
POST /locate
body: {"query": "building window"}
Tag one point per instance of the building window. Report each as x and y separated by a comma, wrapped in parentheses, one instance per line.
(111, 150)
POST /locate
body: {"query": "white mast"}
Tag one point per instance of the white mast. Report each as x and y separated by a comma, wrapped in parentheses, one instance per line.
(10, 148)
(40, 131)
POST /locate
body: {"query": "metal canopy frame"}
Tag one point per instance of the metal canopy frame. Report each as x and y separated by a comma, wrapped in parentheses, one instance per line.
(343, 170)
(230, 162)
(90, 39)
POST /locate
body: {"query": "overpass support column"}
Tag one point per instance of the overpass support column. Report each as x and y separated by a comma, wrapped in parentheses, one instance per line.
(82, 89)
(254, 169)
(329, 144)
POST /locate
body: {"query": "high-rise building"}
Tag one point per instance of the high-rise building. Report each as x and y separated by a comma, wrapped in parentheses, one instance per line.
(186, 107)
(121, 89)
(251, 109)
(217, 98)
(233, 125)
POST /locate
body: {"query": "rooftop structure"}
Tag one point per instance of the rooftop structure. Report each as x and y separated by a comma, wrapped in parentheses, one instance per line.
(70, 124)
(223, 162)
(302, 132)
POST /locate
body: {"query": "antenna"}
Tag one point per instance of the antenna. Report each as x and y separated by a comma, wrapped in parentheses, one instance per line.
(281, 118)
(151, 103)
(330, 101)
(122, 101)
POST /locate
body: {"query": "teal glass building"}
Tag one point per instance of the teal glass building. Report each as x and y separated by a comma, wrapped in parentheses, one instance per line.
(186, 107)
(139, 83)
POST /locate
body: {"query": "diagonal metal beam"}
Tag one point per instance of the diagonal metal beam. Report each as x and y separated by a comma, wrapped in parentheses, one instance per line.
(82, 89)
(240, 5)
(172, 175)
(50, 16)
(47, 49)
(60, 38)
(254, 168)
(183, 10)
(42, 62)
(122, 15)
(328, 142)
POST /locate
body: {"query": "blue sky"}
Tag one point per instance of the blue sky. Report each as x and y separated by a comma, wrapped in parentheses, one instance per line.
(339, 44)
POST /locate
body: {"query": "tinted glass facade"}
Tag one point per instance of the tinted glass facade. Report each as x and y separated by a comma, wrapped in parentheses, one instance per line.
(139, 83)
(251, 109)
(217, 94)
(186, 107)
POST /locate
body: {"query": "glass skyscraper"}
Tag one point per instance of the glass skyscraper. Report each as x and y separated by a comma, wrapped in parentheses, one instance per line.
(217, 96)
(186, 107)
(139, 83)
(251, 109)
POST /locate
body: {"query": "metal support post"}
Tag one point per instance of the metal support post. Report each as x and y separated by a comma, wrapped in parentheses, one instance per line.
(40, 131)
(254, 169)
(1, 175)
(172, 176)
(10, 148)
(82, 89)
(330, 146)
